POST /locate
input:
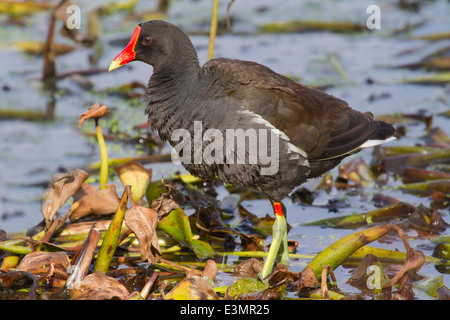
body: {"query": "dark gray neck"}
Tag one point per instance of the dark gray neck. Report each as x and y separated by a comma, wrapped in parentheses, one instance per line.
(168, 92)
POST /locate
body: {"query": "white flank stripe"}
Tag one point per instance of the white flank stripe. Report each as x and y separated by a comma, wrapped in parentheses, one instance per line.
(293, 148)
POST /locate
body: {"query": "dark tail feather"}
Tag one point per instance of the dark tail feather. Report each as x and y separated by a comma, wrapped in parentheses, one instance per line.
(384, 132)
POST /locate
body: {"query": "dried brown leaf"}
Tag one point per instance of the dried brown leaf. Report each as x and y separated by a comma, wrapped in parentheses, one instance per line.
(40, 262)
(168, 201)
(357, 171)
(98, 286)
(443, 293)
(143, 222)
(92, 200)
(358, 277)
(252, 242)
(3, 235)
(437, 137)
(210, 270)
(207, 212)
(60, 12)
(14, 279)
(192, 288)
(96, 111)
(308, 279)
(248, 268)
(427, 220)
(63, 186)
(414, 261)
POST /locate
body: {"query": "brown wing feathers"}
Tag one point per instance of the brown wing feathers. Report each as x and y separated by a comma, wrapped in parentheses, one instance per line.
(361, 127)
(316, 122)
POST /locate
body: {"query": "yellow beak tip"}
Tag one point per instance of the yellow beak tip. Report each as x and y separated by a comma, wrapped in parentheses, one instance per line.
(113, 65)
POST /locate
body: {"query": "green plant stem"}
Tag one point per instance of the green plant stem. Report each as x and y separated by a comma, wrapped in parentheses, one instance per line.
(16, 249)
(112, 235)
(213, 30)
(103, 155)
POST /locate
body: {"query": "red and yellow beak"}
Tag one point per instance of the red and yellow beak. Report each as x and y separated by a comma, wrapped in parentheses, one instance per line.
(128, 53)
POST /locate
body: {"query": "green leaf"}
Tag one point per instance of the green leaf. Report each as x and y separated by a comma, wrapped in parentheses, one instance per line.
(244, 287)
(335, 254)
(154, 190)
(202, 249)
(430, 285)
(176, 224)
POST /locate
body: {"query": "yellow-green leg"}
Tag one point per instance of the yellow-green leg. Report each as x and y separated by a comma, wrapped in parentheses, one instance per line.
(279, 246)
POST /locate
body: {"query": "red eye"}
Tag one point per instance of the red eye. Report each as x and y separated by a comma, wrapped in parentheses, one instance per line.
(147, 41)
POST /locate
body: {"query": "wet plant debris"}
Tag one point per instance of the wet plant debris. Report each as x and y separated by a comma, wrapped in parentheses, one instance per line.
(376, 228)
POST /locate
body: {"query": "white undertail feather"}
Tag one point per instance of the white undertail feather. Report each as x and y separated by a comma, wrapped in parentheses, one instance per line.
(373, 143)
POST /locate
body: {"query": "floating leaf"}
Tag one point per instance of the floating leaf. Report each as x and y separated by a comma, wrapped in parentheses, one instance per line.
(20, 8)
(300, 26)
(192, 288)
(26, 115)
(430, 285)
(438, 60)
(244, 288)
(37, 47)
(440, 79)
(433, 36)
(424, 174)
(113, 7)
(316, 294)
(399, 163)
(436, 185)
(395, 210)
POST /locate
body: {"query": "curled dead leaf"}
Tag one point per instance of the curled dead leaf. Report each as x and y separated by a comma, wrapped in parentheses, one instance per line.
(98, 286)
(308, 279)
(248, 268)
(92, 200)
(63, 186)
(252, 242)
(40, 262)
(143, 222)
(427, 220)
(357, 171)
(210, 270)
(95, 112)
(168, 201)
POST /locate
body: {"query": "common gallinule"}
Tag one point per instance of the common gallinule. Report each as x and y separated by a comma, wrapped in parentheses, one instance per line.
(299, 132)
